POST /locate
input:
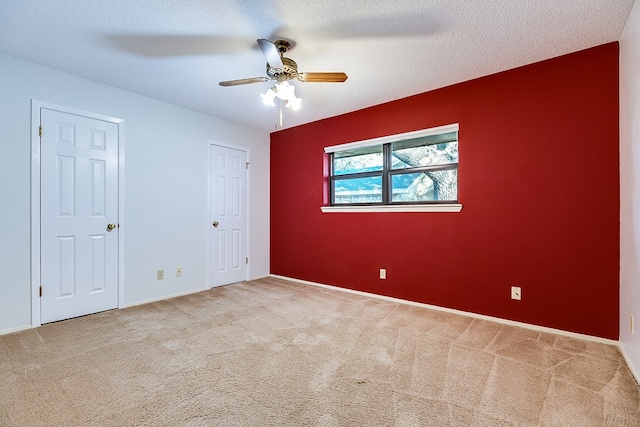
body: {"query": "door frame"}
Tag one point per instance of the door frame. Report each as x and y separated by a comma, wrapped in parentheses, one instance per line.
(36, 106)
(210, 144)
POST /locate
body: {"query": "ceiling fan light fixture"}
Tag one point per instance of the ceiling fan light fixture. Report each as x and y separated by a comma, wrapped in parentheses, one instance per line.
(284, 91)
(294, 103)
(268, 97)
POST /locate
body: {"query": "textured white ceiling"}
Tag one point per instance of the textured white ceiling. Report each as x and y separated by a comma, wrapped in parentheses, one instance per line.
(178, 50)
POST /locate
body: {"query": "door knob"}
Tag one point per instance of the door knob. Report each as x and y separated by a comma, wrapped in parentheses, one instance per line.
(215, 224)
(111, 227)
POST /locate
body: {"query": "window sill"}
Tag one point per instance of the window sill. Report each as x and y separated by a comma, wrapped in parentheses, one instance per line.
(452, 207)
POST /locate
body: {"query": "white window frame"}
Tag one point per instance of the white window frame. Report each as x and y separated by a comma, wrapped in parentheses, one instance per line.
(434, 207)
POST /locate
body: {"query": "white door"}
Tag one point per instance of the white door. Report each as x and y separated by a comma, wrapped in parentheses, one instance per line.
(228, 215)
(78, 215)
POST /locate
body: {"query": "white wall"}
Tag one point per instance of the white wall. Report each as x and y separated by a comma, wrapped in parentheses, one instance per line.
(166, 189)
(630, 188)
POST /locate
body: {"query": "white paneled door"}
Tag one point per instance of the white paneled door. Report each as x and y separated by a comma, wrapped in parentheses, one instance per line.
(78, 215)
(228, 215)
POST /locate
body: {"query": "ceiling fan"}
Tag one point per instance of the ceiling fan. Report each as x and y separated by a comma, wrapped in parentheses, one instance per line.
(282, 69)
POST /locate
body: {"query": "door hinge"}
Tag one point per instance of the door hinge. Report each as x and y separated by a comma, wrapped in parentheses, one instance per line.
(40, 130)
(40, 291)
(247, 165)
(246, 260)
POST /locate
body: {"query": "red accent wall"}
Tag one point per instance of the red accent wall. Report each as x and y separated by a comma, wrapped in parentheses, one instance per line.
(538, 179)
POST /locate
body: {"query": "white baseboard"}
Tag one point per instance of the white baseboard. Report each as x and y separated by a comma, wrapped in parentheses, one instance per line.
(631, 366)
(164, 297)
(264, 276)
(460, 312)
(16, 329)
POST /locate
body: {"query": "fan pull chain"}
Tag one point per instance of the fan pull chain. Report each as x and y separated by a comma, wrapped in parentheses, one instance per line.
(278, 114)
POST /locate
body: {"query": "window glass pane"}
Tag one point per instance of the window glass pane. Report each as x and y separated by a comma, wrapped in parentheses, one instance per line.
(358, 160)
(403, 156)
(358, 190)
(439, 185)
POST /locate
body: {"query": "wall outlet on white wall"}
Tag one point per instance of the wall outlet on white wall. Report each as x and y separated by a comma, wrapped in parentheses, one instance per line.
(179, 272)
(160, 274)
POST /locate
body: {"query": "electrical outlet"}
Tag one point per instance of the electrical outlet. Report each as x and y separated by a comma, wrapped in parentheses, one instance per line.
(383, 273)
(179, 272)
(160, 274)
(631, 325)
(516, 293)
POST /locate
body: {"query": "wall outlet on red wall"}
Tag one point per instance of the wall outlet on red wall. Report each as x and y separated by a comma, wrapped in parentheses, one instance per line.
(516, 293)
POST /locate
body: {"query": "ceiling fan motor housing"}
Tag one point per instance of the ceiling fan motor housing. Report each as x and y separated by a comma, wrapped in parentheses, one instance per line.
(289, 70)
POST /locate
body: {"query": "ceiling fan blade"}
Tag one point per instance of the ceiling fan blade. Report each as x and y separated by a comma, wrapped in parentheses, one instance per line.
(244, 81)
(322, 77)
(270, 52)
(163, 45)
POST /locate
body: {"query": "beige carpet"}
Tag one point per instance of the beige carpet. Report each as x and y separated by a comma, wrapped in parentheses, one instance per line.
(277, 353)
